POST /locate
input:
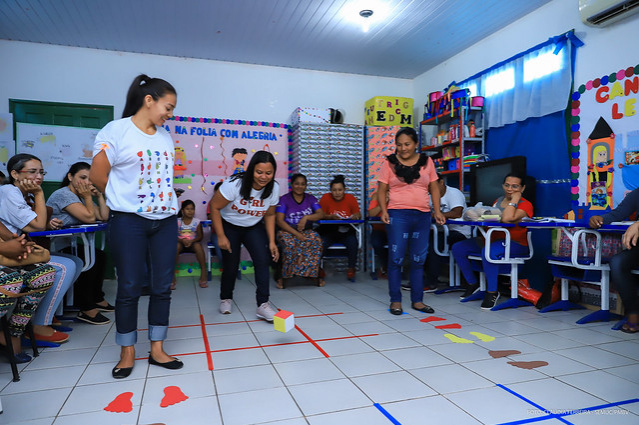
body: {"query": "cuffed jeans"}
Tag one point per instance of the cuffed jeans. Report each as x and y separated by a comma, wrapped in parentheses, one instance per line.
(405, 226)
(461, 251)
(621, 264)
(255, 240)
(131, 238)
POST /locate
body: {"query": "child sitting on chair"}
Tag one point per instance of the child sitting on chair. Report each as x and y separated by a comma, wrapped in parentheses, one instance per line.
(189, 237)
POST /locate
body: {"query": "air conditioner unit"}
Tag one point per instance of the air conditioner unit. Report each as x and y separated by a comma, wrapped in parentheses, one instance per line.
(599, 13)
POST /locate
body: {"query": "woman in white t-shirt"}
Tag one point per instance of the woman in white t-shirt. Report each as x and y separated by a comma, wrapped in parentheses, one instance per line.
(133, 167)
(237, 210)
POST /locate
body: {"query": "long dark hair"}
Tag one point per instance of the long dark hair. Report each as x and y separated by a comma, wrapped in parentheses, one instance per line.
(185, 204)
(260, 157)
(78, 166)
(142, 86)
(16, 162)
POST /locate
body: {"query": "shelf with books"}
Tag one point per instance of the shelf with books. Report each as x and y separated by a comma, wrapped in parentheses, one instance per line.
(454, 141)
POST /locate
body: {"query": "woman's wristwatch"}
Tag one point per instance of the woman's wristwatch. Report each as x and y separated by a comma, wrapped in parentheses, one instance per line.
(512, 204)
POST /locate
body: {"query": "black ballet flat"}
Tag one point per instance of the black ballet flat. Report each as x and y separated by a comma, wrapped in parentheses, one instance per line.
(173, 364)
(426, 309)
(121, 372)
(397, 311)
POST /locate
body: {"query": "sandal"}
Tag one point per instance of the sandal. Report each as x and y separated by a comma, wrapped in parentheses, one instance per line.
(630, 328)
(203, 284)
(279, 284)
(320, 282)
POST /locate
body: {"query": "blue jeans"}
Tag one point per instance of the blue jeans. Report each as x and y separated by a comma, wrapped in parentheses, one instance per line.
(255, 239)
(330, 235)
(461, 251)
(67, 269)
(407, 228)
(140, 245)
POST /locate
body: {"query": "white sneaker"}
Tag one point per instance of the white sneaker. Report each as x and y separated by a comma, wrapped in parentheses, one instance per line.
(225, 306)
(266, 312)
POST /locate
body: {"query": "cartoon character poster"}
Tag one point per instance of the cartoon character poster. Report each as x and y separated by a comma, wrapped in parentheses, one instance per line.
(605, 139)
(207, 150)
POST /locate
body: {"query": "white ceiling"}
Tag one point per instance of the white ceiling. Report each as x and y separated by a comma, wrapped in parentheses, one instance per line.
(307, 34)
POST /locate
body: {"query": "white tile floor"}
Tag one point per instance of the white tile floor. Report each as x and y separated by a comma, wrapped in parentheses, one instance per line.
(349, 362)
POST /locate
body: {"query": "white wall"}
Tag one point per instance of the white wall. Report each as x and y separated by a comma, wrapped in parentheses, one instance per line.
(205, 88)
(606, 50)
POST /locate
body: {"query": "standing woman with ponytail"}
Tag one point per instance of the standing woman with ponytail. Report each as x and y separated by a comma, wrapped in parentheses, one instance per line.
(133, 166)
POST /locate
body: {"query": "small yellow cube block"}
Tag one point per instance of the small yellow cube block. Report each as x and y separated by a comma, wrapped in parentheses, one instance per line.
(284, 321)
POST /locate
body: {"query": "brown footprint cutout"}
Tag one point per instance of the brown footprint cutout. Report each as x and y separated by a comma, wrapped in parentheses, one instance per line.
(121, 404)
(172, 395)
(503, 353)
(529, 365)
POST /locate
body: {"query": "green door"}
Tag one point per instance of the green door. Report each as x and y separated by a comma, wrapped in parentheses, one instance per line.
(67, 114)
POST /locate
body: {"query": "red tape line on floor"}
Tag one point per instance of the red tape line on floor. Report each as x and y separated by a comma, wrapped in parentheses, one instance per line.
(207, 347)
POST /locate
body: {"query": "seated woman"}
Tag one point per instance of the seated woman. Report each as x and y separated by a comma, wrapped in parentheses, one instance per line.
(302, 246)
(339, 205)
(513, 209)
(22, 209)
(622, 263)
(30, 281)
(73, 204)
(189, 238)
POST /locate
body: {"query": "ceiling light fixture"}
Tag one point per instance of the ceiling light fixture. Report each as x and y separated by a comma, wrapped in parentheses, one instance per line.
(365, 14)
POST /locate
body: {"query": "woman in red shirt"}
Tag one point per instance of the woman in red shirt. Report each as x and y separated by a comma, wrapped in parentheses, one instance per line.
(339, 205)
(513, 208)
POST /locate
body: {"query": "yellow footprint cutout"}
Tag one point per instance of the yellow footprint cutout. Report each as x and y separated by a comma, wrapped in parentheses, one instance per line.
(483, 337)
(457, 339)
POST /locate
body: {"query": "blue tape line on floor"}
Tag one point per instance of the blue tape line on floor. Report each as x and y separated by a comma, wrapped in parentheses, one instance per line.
(388, 415)
(559, 416)
(551, 416)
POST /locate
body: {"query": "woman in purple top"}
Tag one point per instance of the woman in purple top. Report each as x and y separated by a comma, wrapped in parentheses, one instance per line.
(301, 246)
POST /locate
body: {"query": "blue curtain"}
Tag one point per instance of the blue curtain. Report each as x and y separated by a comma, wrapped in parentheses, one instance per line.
(543, 141)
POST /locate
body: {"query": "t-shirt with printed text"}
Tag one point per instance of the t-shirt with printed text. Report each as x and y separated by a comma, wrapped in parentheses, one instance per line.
(242, 212)
(294, 211)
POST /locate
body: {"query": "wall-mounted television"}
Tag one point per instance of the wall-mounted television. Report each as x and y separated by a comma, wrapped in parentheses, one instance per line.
(486, 179)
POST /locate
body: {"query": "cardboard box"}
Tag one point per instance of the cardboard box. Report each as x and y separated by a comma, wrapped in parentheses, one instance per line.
(389, 110)
(591, 297)
(310, 115)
